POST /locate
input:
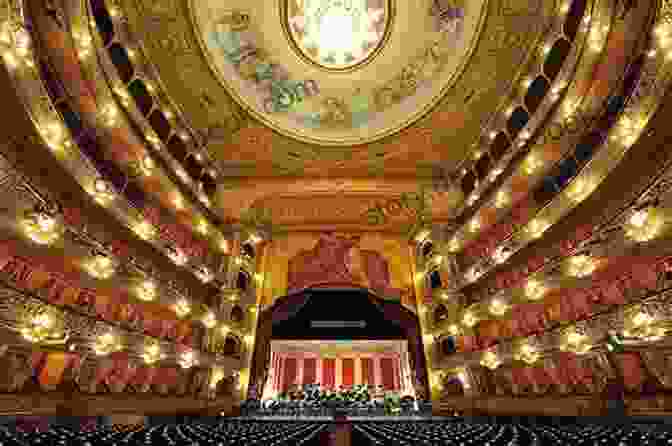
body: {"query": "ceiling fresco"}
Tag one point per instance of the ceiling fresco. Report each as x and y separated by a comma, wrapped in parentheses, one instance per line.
(254, 53)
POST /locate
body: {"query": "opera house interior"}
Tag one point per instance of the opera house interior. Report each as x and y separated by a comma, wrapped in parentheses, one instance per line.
(207, 237)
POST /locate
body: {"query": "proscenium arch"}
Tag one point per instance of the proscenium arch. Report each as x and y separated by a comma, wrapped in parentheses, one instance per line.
(287, 307)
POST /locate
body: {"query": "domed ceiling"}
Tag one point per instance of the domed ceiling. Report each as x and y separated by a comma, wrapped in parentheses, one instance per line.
(375, 95)
(336, 72)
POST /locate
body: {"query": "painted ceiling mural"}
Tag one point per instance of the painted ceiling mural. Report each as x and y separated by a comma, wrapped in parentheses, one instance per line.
(329, 90)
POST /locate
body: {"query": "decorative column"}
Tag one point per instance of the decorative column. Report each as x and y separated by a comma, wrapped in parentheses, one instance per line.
(377, 372)
(339, 372)
(358, 370)
(299, 368)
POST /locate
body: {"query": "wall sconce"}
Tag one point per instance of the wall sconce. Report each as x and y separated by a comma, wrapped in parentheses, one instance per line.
(182, 307)
(204, 274)
(100, 266)
(102, 191)
(43, 329)
(643, 326)
(152, 353)
(42, 227)
(576, 343)
(532, 163)
(146, 291)
(501, 254)
(106, 344)
(581, 266)
(187, 359)
(534, 290)
(502, 199)
(209, 320)
(644, 225)
(144, 230)
(469, 319)
(490, 360)
(497, 307)
(527, 354)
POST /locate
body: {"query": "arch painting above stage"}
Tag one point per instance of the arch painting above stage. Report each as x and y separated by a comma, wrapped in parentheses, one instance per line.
(337, 261)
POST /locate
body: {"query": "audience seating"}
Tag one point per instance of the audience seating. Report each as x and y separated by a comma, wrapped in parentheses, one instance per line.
(368, 433)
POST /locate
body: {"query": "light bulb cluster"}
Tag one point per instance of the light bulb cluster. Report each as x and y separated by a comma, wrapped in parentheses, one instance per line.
(106, 344)
(42, 227)
(204, 274)
(644, 225)
(576, 343)
(527, 354)
(501, 254)
(146, 291)
(643, 326)
(182, 307)
(42, 328)
(188, 359)
(102, 191)
(100, 266)
(497, 307)
(469, 319)
(534, 290)
(209, 320)
(152, 353)
(490, 360)
(581, 266)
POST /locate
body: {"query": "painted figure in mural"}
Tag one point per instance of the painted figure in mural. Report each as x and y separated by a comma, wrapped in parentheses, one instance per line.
(232, 36)
(338, 260)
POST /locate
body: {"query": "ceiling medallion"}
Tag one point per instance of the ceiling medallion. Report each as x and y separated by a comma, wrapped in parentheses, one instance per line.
(337, 34)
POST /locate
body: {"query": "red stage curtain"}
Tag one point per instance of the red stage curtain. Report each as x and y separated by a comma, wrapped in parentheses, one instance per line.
(328, 373)
(348, 371)
(367, 371)
(290, 372)
(309, 370)
(387, 369)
